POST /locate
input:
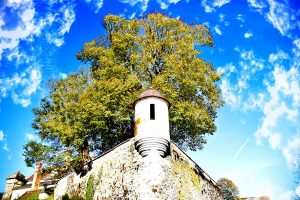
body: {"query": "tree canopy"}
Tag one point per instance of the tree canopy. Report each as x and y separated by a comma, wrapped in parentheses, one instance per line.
(91, 110)
(228, 189)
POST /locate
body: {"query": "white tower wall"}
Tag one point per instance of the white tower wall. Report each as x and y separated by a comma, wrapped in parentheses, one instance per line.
(151, 123)
(146, 127)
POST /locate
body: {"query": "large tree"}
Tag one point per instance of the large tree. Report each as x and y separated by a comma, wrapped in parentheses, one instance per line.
(91, 110)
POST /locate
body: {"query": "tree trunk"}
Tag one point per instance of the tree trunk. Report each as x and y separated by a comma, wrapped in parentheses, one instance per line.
(84, 152)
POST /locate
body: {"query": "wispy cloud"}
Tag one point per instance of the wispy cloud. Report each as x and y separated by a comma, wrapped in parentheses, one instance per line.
(280, 56)
(20, 48)
(3, 141)
(286, 86)
(66, 16)
(282, 16)
(141, 5)
(218, 30)
(21, 85)
(210, 6)
(292, 152)
(95, 4)
(241, 148)
(1, 135)
(257, 6)
(164, 4)
(241, 18)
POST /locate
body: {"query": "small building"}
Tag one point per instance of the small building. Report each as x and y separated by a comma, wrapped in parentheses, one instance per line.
(17, 184)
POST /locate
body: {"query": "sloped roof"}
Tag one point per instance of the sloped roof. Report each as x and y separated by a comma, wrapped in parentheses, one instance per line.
(44, 177)
(151, 93)
(17, 175)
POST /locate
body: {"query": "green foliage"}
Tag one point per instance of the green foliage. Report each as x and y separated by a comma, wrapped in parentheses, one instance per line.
(91, 110)
(229, 190)
(30, 195)
(90, 190)
(51, 197)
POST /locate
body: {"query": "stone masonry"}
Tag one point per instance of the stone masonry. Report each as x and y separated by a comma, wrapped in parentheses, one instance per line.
(122, 173)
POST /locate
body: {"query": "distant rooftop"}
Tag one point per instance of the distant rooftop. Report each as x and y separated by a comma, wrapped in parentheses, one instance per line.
(17, 175)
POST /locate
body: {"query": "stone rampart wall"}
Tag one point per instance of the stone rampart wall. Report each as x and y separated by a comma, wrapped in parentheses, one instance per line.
(124, 174)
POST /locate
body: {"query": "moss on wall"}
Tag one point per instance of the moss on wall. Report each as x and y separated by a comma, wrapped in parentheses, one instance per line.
(188, 179)
(90, 190)
(30, 195)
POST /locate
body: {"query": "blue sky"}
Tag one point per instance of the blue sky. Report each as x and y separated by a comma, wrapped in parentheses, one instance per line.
(257, 47)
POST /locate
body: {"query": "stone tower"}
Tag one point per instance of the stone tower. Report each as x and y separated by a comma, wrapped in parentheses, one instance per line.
(151, 123)
(12, 181)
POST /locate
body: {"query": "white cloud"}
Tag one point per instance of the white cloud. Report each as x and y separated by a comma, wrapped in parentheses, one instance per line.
(279, 16)
(228, 93)
(217, 30)
(279, 56)
(21, 47)
(63, 75)
(5, 147)
(1, 135)
(25, 29)
(209, 6)
(22, 85)
(29, 136)
(164, 4)
(297, 191)
(292, 152)
(258, 6)
(3, 140)
(65, 17)
(286, 196)
(142, 5)
(250, 61)
(248, 35)
(241, 17)
(222, 20)
(286, 88)
(95, 4)
(220, 3)
(132, 15)
(296, 49)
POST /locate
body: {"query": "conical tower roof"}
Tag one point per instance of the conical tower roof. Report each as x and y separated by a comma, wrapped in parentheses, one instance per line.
(151, 93)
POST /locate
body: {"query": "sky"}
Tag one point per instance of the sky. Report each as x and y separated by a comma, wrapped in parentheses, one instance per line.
(256, 47)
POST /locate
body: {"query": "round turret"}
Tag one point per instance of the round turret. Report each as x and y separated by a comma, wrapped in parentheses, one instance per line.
(151, 123)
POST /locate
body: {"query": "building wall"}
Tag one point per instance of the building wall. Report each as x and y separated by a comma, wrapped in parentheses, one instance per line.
(8, 188)
(124, 174)
(10, 185)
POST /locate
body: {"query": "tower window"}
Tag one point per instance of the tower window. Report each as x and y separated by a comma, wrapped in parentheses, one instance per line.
(152, 112)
